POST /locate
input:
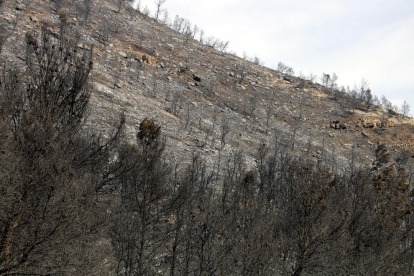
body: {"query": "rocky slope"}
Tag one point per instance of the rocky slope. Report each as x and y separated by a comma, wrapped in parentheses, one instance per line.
(205, 100)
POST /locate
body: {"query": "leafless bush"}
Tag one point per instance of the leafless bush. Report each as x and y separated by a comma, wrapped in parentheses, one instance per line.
(252, 104)
(269, 112)
(103, 34)
(175, 103)
(146, 11)
(222, 46)
(178, 23)
(121, 3)
(83, 11)
(188, 113)
(283, 68)
(154, 85)
(186, 30)
(59, 3)
(258, 61)
(4, 35)
(201, 36)
(224, 130)
(405, 109)
(159, 9)
(166, 19)
(311, 77)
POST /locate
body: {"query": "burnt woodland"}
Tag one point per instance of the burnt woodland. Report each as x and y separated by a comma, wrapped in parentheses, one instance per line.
(76, 201)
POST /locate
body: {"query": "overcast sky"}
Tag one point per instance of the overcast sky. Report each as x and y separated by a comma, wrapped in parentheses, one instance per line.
(371, 39)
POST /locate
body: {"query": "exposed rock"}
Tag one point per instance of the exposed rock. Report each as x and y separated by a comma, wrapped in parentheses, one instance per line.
(81, 46)
(392, 112)
(369, 125)
(34, 19)
(189, 67)
(122, 54)
(148, 59)
(196, 78)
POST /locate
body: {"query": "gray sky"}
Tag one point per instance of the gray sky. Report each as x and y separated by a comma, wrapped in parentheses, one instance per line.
(371, 39)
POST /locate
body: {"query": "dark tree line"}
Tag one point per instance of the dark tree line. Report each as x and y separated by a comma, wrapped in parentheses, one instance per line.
(47, 179)
(74, 203)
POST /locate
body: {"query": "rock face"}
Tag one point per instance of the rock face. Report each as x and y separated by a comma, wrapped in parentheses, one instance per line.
(196, 78)
(393, 112)
(337, 125)
(149, 59)
(145, 69)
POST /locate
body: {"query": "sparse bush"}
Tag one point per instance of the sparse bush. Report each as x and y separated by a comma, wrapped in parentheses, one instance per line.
(59, 3)
(121, 3)
(83, 10)
(4, 35)
(201, 36)
(63, 21)
(405, 109)
(242, 73)
(353, 101)
(283, 68)
(103, 35)
(311, 77)
(146, 11)
(386, 103)
(269, 112)
(166, 19)
(188, 113)
(257, 61)
(224, 130)
(175, 103)
(177, 24)
(159, 10)
(325, 79)
(301, 84)
(186, 30)
(149, 132)
(368, 98)
(252, 104)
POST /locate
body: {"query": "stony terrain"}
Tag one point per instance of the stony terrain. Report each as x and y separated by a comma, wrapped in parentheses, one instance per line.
(205, 100)
(260, 175)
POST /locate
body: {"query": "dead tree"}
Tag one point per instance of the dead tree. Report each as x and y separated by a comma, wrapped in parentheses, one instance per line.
(159, 10)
